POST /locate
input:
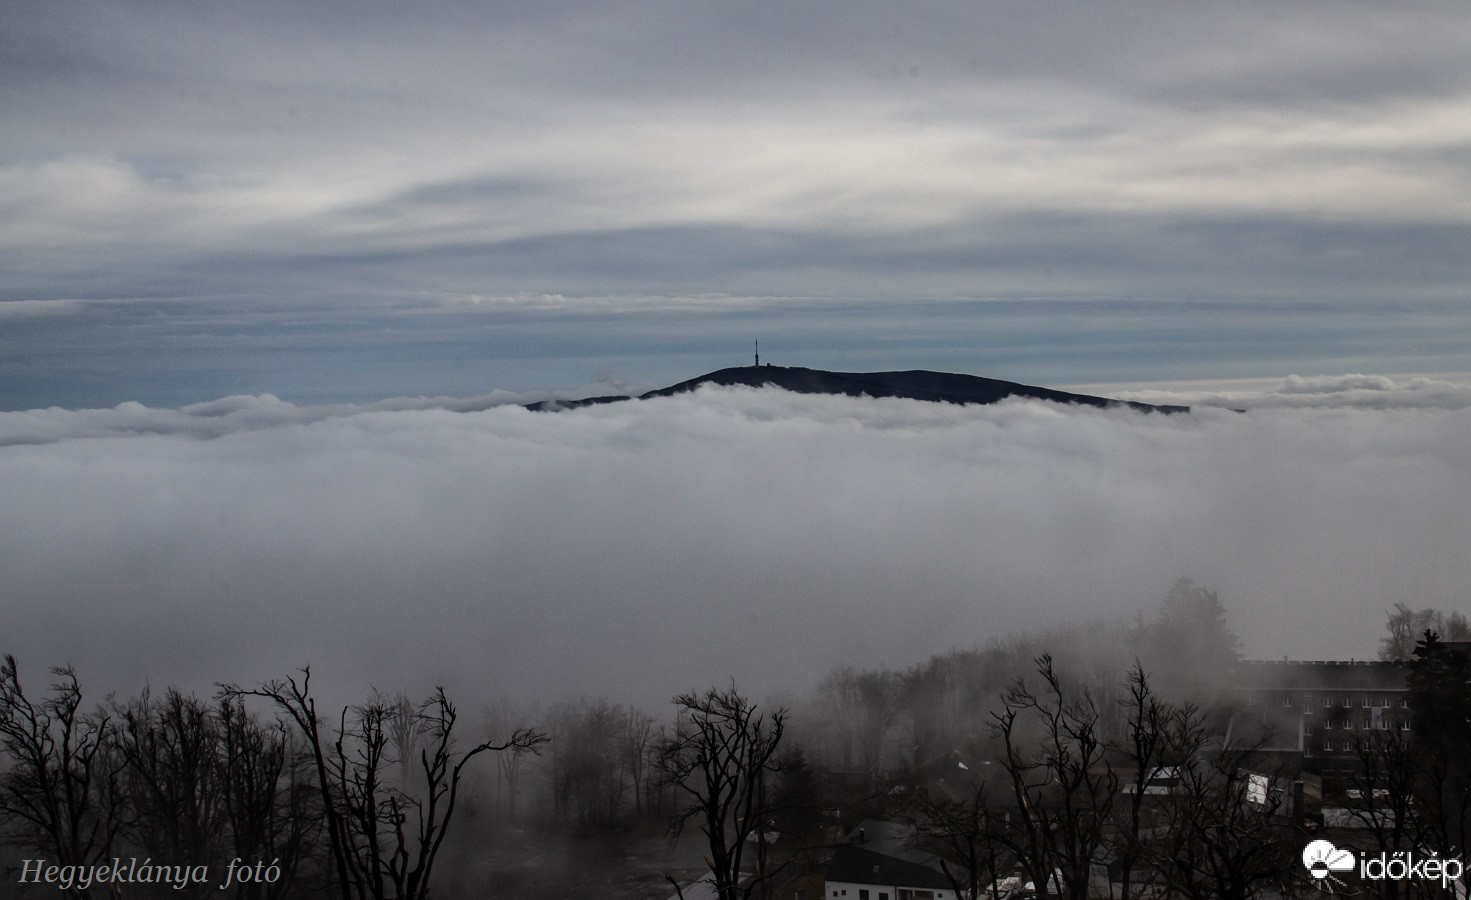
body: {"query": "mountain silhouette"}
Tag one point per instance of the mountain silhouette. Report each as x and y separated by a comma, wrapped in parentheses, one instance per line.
(915, 384)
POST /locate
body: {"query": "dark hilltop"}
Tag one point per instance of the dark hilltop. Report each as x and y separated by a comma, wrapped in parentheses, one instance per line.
(916, 384)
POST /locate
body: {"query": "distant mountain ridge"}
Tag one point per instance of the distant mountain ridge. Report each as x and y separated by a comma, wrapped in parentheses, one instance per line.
(915, 384)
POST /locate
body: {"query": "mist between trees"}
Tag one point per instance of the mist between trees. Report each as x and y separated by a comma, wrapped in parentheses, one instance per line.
(1046, 758)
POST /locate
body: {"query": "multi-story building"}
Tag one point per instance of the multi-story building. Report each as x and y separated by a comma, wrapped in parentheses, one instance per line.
(1329, 704)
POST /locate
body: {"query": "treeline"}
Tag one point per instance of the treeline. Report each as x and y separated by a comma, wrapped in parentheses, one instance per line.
(877, 720)
(257, 793)
(1169, 805)
(358, 801)
(1068, 727)
(177, 796)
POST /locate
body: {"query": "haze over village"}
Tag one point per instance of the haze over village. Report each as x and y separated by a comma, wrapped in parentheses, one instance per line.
(1090, 520)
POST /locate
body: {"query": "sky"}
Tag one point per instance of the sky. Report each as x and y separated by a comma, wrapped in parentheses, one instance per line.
(275, 276)
(351, 202)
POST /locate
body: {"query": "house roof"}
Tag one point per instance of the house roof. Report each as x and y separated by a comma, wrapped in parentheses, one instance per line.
(884, 853)
(704, 889)
(1265, 728)
(1322, 675)
(959, 776)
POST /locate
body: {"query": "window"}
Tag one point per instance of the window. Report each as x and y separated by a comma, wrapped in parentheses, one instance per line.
(1328, 724)
(1348, 746)
(1404, 703)
(1366, 703)
(1287, 702)
(1327, 702)
(1347, 702)
(1307, 729)
(1327, 745)
(863, 895)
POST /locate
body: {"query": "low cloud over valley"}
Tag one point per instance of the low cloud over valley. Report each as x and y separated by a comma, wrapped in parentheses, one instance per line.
(644, 548)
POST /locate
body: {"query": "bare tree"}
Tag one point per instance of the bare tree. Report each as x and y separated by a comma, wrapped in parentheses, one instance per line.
(1386, 781)
(60, 792)
(171, 780)
(1223, 839)
(720, 757)
(864, 708)
(502, 721)
(420, 826)
(633, 752)
(1405, 626)
(1064, 789)
(405, 726)
(266, 795)
(1146, 746)
(587, 761)
(380, 837)
(963, 818)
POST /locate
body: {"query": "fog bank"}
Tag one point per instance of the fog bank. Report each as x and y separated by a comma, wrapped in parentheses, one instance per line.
(640, 549)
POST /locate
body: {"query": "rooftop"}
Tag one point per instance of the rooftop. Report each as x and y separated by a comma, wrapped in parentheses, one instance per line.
(883, 852)
(1322, 675)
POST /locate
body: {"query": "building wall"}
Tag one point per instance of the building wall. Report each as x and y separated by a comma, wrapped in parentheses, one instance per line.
(849, 890)
(1338, 702)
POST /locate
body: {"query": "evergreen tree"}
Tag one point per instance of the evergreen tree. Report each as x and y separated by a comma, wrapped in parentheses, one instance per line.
(1440, 709)
(1193, 647)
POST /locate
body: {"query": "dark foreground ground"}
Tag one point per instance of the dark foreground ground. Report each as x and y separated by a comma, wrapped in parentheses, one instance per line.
(531, 865)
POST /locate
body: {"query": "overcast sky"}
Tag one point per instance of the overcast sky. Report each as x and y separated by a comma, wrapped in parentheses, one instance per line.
(350, 201)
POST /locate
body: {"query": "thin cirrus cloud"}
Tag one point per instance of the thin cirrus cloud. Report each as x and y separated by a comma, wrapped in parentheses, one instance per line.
(644, 548)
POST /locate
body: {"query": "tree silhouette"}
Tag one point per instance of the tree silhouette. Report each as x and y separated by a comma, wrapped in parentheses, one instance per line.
(720, 757)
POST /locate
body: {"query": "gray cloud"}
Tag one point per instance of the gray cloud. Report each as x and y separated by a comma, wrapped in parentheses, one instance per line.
(1143, 149)
(1324, 392)
(644, 548)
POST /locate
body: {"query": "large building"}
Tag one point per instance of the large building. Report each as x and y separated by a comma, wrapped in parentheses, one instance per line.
(1324, 707)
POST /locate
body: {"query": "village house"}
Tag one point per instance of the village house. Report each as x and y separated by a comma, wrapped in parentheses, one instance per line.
(880, 860)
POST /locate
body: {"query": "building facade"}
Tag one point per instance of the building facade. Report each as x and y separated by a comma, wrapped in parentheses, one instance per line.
(1331, 705)
(880, 861)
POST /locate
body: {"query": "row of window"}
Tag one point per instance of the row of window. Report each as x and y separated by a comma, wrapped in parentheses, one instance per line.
(1369, 725)
(1348, 746)
(1330, 702)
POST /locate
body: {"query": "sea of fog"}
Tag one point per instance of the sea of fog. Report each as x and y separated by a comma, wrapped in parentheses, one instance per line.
(640, 549)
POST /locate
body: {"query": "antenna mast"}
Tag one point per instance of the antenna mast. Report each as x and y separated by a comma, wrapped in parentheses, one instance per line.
(758, 354)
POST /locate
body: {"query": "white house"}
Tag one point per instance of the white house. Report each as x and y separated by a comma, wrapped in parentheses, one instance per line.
(879, 861)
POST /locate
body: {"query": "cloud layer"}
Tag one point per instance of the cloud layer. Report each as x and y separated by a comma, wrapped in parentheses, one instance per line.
(645, 548)
(1141, 149)
(344, 204)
